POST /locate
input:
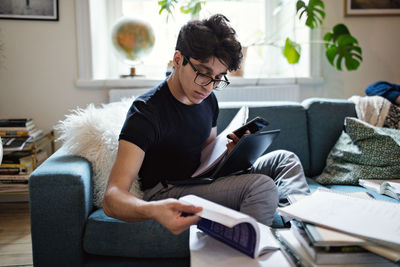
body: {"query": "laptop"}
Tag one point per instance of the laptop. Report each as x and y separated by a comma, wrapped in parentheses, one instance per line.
(239, 161)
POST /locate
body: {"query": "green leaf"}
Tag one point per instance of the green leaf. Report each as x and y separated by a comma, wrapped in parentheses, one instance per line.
(192, 6)
(338, 30)
(167, 5)
(299, 5)
(341, 45)
(315, 12)
(327, 39)
(331, 53)
(291, 51)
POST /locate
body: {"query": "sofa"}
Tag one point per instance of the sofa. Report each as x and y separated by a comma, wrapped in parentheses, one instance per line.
(67, 230)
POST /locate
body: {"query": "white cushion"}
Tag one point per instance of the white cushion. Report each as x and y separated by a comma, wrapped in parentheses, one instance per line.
(93, 134)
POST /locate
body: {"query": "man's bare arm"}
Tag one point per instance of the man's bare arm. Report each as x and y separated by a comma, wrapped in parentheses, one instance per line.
(213, 135)
(121, 204)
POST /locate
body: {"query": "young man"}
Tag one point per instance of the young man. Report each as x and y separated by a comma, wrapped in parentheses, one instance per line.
(167, 127)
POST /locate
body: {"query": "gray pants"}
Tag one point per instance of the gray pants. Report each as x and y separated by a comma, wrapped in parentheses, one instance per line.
(258, 193)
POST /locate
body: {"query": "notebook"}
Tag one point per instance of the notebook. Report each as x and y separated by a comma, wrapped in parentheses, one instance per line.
(246, 152)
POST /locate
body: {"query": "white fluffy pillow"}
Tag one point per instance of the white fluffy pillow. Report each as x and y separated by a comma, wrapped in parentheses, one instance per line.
(93, 134)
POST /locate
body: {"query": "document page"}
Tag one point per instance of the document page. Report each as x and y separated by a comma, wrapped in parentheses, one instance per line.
(372, 219)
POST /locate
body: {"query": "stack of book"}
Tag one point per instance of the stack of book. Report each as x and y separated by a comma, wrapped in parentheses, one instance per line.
(16, 132)
(328, 238)
(18, 162)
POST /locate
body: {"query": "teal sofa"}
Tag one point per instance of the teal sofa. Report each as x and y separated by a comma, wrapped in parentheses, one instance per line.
(67, 230)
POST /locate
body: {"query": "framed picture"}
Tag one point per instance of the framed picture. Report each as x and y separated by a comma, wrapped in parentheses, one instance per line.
(29, 9)
(372, 7)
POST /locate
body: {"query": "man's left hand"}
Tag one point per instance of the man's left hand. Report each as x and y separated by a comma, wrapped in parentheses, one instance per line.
(233, 141)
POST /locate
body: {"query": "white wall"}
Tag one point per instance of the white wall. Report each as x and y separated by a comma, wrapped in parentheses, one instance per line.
(39, 71)
(379, 38)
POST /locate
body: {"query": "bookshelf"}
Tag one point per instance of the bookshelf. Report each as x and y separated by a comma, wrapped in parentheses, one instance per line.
(19, 162)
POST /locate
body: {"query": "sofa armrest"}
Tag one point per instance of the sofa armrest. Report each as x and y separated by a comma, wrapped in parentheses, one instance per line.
(61, 199)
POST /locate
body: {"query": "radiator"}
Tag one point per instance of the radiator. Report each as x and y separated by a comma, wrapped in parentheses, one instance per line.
(289, 92)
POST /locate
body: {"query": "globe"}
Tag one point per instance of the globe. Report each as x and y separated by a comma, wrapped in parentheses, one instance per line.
(132, 39)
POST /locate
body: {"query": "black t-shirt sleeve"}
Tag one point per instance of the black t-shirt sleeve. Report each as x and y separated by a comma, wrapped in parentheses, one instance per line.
(138, 129)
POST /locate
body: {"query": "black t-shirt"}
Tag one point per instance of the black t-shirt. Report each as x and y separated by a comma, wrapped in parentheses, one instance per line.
(169, 132)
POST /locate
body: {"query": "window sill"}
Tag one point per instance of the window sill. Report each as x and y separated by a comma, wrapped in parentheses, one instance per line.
(140, 82)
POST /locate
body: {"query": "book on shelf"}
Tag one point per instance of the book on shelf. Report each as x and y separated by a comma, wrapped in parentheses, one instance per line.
(233, 228)
(14, 143)
(370, 219)
(390, 188)
(28, 128)
(17, 157)
(14, 178)
(13, 168)
(13, 188)
(17, 122)
(19, 128)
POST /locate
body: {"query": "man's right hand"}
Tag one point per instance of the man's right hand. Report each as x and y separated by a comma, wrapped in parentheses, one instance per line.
(168, 212)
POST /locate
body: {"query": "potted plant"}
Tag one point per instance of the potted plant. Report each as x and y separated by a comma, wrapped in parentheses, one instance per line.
(340, 46)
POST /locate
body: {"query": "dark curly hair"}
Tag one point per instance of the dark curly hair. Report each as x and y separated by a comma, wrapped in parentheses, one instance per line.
(212, 37)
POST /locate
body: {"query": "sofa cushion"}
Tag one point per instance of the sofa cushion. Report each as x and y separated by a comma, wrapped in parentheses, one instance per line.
(363, 151)
(147, 239)
(93, 133)
(325, 123)
(290, 117)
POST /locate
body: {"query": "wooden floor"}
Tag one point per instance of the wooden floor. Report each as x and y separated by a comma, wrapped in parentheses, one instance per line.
(15, 235)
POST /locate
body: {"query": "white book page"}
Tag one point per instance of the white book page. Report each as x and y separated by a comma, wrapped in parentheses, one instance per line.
(218, 213)
(395, 187)
(206, 251)
(215, 151)
(372, 219)
(371, 185)
(265, 241)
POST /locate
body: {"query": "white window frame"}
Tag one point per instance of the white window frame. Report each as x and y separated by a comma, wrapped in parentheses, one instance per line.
(85, 69)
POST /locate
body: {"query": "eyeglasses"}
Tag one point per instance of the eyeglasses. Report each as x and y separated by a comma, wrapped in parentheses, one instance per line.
(204, 80)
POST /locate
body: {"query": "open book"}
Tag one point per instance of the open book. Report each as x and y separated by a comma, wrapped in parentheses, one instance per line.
(216, 150)
(324, 237)
(216, 163)
(390, 188)
(327, 238)
(234, 228)
(370, 219)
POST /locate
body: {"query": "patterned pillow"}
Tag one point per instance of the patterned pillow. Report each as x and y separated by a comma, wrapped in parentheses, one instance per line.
(363, 151)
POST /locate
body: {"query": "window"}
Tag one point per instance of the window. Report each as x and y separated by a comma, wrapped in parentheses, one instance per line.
(263, 28)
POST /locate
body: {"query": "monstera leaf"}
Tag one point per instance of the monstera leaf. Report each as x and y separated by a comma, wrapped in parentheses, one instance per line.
(291, 51)
(315, 12)
(340, 44)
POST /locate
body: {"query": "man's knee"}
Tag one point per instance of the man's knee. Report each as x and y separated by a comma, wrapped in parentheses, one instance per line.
(261, 199)
(262, 183)
(285, 154)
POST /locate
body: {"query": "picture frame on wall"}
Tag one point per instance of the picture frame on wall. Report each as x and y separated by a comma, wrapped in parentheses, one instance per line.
(372, 7)
(29, 9)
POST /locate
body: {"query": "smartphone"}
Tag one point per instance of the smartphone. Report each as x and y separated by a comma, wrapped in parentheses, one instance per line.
(253, 126)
